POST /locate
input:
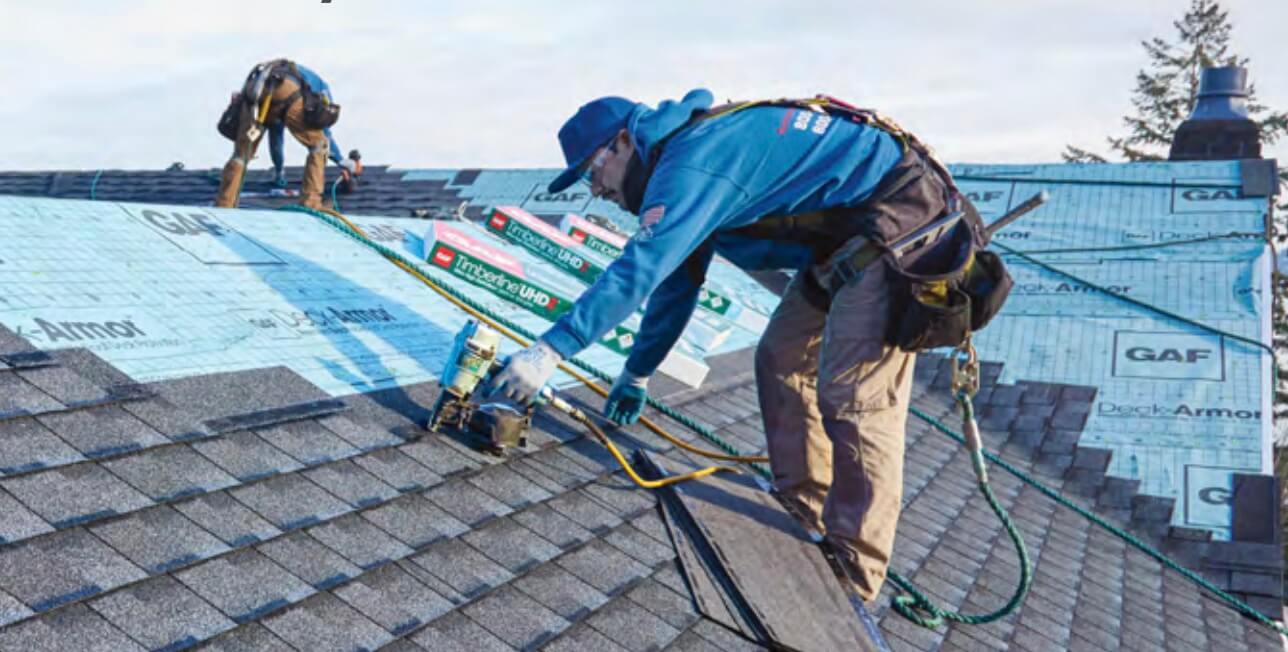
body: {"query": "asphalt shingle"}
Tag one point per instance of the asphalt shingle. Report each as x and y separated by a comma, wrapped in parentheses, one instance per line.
(398, 469)
(633, 626)
(161, 614)
(308, 442)
(227, 519)
(394, 599)
(103, 431)
(308, 559)
(585, 511)
(560, 591)
(26, 445)
(364, 437)
(516, 618)
(55, 569)
(324, 622)
(68, 495)
(509, 487)
(467, 503)
(244, 585)
(170, 473)
(159, 539)
(11, 609)
(438, 456)
(677, 610)
(415, 521)
(513, 546)
(18, 522)
(557, 468)
(461, 567)
(351, 483)
(65, 385)
(246, 456)
(602, 566)
(290, 501)
(359, 541)
(583, 637)
(252, 637)
(75, 628)
(457, 633)
(18, 397)
(552, 526)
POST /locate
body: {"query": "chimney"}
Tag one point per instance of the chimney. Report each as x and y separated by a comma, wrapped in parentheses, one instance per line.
(1219, 128)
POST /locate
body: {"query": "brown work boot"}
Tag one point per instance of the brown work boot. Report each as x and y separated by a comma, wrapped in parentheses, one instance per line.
(845, 563)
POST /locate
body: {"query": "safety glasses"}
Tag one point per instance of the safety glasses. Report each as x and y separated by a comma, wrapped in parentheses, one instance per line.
(596, 161)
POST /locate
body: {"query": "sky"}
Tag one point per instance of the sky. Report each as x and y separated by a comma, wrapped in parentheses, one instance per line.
(140, 84)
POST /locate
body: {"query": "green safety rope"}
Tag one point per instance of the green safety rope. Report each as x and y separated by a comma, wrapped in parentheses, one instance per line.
(93, 185)
(914, 601)
(916, 606)
(1233, 235)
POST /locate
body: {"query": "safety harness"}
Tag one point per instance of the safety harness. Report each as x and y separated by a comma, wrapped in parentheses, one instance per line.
(944, 285)
(257, 93)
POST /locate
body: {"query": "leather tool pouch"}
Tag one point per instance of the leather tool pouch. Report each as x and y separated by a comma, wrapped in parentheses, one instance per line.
(318, 112)
(228, 121)
(946, 291)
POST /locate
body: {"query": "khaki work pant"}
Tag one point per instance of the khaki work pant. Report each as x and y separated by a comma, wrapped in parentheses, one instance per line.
(244, 149)
(834, 399)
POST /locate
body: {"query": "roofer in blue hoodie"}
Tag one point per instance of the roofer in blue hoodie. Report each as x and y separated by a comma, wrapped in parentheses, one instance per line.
(833, 395)
(280, 95)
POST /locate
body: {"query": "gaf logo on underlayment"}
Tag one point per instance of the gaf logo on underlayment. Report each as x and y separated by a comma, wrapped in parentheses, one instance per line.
(1222, 196)
(202, 236)
(572, 200)
(1209, 494)
(1176, 356)
(989, 197)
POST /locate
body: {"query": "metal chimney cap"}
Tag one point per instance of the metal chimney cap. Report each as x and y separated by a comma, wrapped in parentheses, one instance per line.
(1230, 81)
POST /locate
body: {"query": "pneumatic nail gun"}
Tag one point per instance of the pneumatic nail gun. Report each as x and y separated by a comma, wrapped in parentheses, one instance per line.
(501, 424)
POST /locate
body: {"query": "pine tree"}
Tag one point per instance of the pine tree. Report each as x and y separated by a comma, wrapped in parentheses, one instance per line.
(1165, 94)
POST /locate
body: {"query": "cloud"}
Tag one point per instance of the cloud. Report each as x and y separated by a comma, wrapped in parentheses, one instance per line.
(140, 84)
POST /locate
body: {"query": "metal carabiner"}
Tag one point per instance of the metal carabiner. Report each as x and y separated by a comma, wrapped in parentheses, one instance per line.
(965, 368)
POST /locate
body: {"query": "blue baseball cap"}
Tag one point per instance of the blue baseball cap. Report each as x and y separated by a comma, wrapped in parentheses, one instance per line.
(586, 131)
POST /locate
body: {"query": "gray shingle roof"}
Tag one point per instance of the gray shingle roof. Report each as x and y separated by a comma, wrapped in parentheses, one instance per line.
(173, 543)
(253, 511)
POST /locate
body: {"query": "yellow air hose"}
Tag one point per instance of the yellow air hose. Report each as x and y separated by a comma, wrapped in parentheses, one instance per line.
(579, 415)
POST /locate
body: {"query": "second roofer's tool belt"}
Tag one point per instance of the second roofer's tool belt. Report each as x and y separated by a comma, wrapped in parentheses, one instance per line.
(944, 284)
(319, 111)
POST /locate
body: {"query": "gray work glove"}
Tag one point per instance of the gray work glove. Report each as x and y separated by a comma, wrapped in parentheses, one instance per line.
(526, 372)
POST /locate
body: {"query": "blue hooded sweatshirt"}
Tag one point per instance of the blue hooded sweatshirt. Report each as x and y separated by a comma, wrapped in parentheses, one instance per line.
(276, 132)
(715, 175)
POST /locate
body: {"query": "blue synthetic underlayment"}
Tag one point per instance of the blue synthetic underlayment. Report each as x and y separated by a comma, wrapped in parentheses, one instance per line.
(223, 290)
(165, 292)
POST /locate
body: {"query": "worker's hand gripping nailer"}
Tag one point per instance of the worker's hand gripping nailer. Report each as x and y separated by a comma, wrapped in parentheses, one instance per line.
(469, 369)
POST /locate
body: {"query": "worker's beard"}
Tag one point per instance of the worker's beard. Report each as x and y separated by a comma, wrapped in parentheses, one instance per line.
(634, 183)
